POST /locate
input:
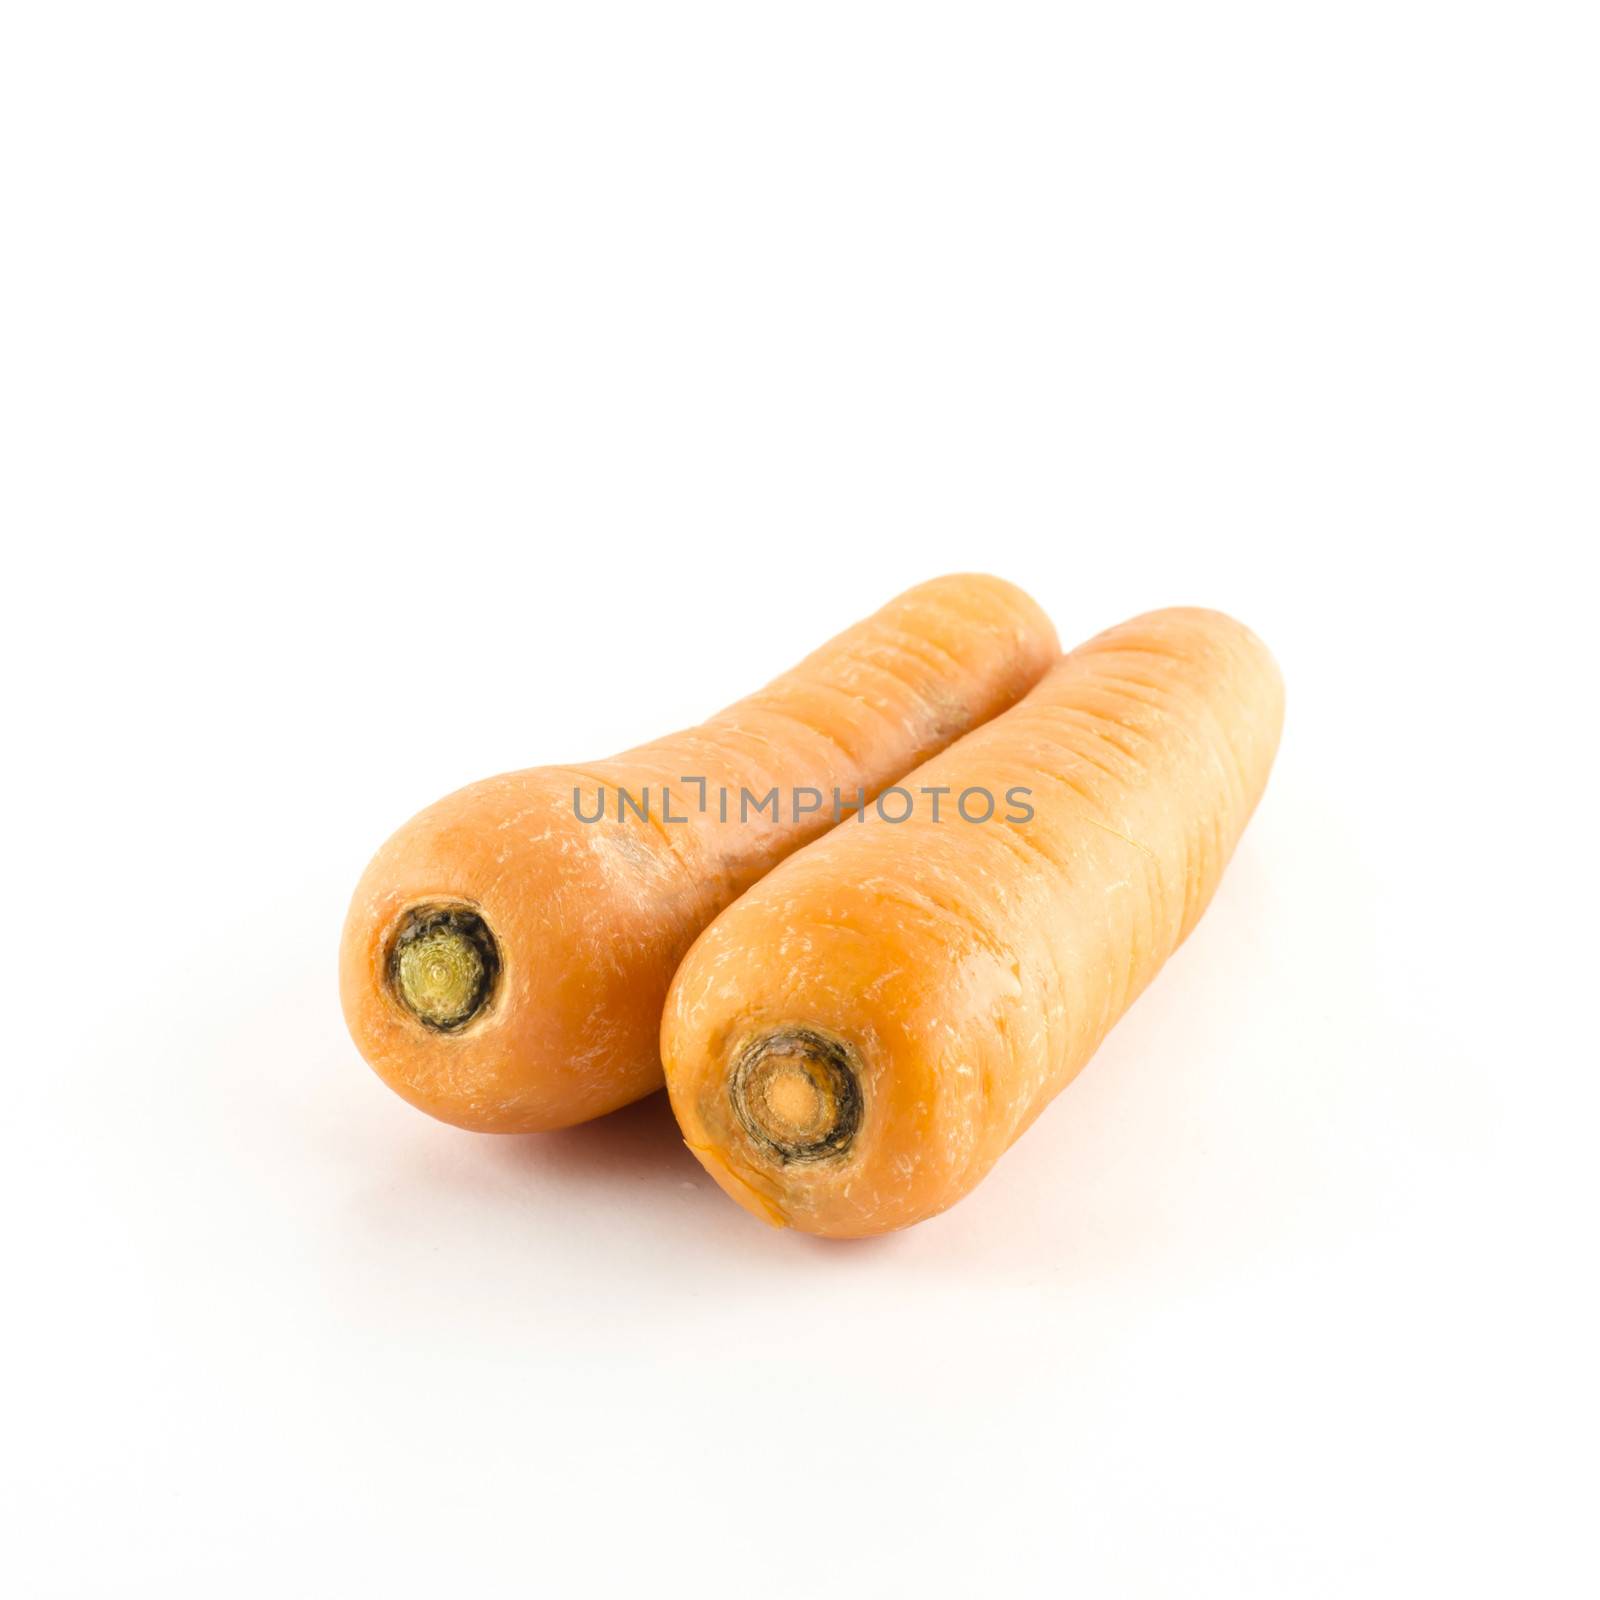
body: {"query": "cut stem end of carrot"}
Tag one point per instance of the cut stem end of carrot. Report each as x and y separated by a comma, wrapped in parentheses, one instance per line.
(797, 1093)
(444, 966)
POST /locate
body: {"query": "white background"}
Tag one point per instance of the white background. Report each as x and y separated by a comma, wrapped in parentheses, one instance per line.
(544, 378)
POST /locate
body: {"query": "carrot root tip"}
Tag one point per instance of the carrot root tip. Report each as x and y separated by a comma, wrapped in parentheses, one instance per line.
(797, 1094)
(443, 966)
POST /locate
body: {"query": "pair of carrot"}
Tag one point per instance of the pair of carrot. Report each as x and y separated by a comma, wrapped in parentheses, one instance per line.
(854, 1021)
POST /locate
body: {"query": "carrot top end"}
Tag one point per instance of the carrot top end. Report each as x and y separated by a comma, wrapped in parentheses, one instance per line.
(797, 1094)
(444, 966)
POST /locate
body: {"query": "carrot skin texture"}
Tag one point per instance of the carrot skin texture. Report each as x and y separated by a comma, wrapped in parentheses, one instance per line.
(971, 969)
(590, 919)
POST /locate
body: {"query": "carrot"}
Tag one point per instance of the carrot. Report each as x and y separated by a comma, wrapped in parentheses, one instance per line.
(507, 953)
(853, 1044)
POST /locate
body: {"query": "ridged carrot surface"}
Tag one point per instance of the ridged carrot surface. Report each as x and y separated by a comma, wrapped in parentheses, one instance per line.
(504, 963)
(856, 1041)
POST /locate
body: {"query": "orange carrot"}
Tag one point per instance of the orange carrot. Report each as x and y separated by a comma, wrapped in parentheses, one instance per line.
(506, 955)
(853, 1044)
